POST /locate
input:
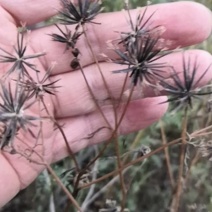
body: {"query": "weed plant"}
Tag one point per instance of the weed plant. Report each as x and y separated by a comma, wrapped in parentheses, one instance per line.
(100, 178)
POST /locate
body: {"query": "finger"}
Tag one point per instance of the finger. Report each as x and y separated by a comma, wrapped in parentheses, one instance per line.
(8, 28)
(140, 114)
(9, 181)
(193, 59)
(30, 12)
(181, 30)
(74, 98)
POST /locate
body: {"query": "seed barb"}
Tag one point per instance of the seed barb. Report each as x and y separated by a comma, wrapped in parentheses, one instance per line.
(12, 113)
(140, 60)
(68, 38)
(83, 12)
(182, 91)
(19, 59)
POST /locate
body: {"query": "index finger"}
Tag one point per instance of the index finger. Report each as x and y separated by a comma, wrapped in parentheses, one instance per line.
(183, 22)
(31, 12)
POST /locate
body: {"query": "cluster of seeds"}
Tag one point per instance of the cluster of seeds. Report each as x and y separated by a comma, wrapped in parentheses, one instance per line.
(139, 51)
(21, 88)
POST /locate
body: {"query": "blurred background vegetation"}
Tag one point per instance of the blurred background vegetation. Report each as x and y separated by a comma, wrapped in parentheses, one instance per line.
(151, 190)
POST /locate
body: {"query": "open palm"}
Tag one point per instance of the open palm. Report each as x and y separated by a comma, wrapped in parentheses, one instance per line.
(185, 23)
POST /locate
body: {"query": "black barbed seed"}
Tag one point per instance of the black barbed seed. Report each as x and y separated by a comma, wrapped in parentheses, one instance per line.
(140, 50)
(12, 112)
(182, 91)
(140, 29)
(39, 87)
(75, 63)
(19, 59)
(75, 52)
(67, 37)
(140, 60)
(83, 12)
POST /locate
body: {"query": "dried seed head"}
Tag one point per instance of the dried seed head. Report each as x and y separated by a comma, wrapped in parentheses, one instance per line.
(83, 12)
(183, 91)
(140, 29)
(39, 87)
(19, 60)
(140, 61)
(12, 112)
(68, 38)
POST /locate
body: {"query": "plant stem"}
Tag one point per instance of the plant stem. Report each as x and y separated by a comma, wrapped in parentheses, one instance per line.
(176, 199)
(115, 172)
(75, 203)
(166, 151)
(51, 171)
(63, 135)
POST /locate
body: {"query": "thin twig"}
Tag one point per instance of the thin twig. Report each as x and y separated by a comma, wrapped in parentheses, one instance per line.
(57, 179)
(51, 198)
(115, 172)
(93, 96)
(176, 199)
(119, 162)
(193, 162)
(63, 135)
(85, 203)
(115, 130)
(166, 151)
(105, 188)
(97, 105)
(74, 202)
(99, 68)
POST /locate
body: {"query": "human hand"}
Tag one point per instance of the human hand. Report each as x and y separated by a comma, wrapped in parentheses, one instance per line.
(186, 23)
